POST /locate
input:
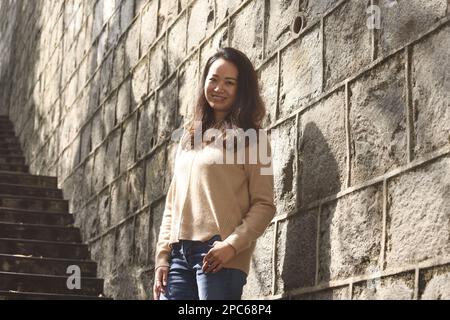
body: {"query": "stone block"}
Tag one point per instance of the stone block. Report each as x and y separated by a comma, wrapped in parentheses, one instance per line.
(141, 237)
(98, 128)
(126, 14)
(119, 200)
(98, 174)
(158, 64)
(188, 82)
(347, 42)
(259, 280)
(86, 145)
(430, 66)
(128, 143)
(398, 287)
(322, 149)
(268, 81)
(135, 185)
(91, 221)
(351, 234)
(112, 156)
(168, 11)
(123, 101)
(418, 215)
(280, 17)
(106, 71)
(124, 244)
(249, 21)
(167, 109)
(403, 20)
(156, 214)
(149, 24)
(434, 283)
(218, 40)
(139, 83)
(132, 45)
(104, 210)
(225, 8)
(338, 293)
(300, 72)
(200, 22)
(155, 169)
(296, 251)
(282, 139)
(378, 120)
(109, 113)
(119, 64)
(176, 44)
(145, 139)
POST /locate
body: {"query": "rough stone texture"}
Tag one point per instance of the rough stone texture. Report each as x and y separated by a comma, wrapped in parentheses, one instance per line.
(434, 283)
(188, 86)
(341, 293)
(268, 88)
(259, 280)
(149, 25)
(351, 234)
(141, 238)
(301, 72)
(168, 11)
(249, 22)
(155, 167)
(166, 111)
(119, 200)
(403, 20)
(296, 259)
(418, 215)
(378, 121)
(322, 150)
(398, 287)
(112, 152)
(200, 22)
(430, 92)
(284, 166)
(225, 8)
(347, 42)
(123, 101)
(145, 139)
(158, 64)
(176, 44)
(135, 186)
(218, 40)
(156, 213)
(128, 143)
(139, 83)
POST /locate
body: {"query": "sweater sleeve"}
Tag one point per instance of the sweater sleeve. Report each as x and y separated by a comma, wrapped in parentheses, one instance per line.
(162, 246)
(262, 208)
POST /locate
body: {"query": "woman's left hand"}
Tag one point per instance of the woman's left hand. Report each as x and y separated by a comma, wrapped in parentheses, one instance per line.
(220, 254)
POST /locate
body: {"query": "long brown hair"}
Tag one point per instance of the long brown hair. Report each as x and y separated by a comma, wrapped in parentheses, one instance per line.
(247, 112)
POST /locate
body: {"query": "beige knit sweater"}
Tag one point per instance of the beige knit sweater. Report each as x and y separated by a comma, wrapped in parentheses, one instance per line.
(204, 198)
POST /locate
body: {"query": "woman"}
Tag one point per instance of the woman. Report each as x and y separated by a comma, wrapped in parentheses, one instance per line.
(216, 209)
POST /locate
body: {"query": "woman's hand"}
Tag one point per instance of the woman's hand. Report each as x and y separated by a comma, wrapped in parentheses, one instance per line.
(220, 254)
(160, 283)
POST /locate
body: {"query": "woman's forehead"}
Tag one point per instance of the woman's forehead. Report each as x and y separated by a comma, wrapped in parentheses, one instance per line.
(223, 68)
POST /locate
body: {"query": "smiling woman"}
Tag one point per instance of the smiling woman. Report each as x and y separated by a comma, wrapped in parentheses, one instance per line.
(214, 213)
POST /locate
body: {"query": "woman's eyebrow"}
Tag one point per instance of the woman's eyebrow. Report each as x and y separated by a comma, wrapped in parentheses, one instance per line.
(225, 77)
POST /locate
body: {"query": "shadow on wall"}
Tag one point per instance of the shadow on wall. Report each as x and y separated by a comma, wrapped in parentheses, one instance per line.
(318, 177)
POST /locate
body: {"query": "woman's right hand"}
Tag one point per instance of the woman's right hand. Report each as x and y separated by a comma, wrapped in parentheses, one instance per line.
(160, 283)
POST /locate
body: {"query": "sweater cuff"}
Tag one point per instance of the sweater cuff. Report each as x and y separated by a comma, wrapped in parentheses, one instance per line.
(237, 242)
(162, 260)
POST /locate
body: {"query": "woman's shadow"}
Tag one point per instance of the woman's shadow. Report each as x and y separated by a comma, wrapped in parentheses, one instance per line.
(318, 177)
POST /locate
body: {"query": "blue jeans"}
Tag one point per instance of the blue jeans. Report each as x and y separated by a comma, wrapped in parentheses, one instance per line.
(187, 281)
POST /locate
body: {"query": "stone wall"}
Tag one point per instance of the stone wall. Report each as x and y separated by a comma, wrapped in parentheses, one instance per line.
(358, 118)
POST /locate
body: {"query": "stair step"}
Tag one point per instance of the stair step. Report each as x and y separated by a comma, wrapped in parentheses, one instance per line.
(9, 144)
(10, 152)
(30, 191)
(50, 266)
(14, 168)
(48, 283)
(47, 249)
(36, 217)
(28, 179)
(10, 139)
(35, 203)
(11, 295)
(4, 159)
(39, 232)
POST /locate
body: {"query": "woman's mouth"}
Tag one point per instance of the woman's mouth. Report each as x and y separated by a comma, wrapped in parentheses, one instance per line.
(218, 98)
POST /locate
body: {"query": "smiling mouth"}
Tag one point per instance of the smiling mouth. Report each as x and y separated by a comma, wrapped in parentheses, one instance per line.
(218, 98)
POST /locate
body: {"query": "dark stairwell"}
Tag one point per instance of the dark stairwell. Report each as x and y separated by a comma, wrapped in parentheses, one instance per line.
(37, 240)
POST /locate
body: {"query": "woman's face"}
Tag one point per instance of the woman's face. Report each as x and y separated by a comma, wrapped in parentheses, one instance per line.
(221, 87)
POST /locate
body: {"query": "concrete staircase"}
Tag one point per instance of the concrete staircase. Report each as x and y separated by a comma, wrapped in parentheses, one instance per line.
(37, 240)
